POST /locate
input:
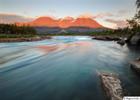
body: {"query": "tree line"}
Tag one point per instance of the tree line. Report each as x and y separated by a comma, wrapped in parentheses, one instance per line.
(14, 29)
(134, 23)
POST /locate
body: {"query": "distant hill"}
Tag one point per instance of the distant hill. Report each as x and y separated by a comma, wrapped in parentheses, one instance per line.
(74, 29)
(63, 23)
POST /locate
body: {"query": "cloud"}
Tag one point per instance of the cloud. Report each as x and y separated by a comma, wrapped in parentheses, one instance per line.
(12, 18)
(120, 13)
(118, 23)
(86, 15)
(100, 15)
(123, 12)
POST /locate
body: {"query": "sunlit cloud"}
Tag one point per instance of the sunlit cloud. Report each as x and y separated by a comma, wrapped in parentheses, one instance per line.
(123, 11)
(118, 23)
(86, 15)
(12, 18)
(100, 15)
(103, 15)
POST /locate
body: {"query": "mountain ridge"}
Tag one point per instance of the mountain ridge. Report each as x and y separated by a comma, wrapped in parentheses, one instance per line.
(66, 22)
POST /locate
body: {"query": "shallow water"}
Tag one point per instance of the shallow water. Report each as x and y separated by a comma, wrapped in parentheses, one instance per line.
(63, 68)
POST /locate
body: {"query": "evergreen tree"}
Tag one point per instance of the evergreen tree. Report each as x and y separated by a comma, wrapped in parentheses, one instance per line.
(14, 29)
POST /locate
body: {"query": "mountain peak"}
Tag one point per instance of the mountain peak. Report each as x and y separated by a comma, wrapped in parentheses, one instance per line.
(87, 22)
(64, 22)
(44, 19)
(68, 18)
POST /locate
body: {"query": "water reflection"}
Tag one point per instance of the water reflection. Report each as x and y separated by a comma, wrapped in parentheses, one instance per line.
(64, 68)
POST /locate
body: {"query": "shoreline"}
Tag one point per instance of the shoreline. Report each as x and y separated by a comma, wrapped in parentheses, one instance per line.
(39, 38)
(23, 39)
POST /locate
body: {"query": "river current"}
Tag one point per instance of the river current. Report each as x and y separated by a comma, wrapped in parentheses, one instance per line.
(64, 68)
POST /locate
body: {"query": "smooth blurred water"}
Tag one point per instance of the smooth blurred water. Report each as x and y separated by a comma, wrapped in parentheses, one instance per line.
(63, 68)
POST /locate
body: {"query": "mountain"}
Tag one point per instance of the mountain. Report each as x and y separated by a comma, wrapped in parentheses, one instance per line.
(63, 22)
(45, 21)
(86, 22)
(42, 21)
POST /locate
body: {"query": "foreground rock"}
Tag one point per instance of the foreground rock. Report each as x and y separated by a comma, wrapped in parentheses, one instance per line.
(135, 65)
(112, 86)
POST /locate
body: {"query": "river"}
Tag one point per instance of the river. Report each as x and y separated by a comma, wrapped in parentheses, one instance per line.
(63, 68)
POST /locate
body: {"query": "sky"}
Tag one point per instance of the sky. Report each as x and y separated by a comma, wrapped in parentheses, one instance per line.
(112, 13)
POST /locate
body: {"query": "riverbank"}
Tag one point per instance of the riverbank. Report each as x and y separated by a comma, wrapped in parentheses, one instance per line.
(24, 39)
(122, 40)
(37, 37)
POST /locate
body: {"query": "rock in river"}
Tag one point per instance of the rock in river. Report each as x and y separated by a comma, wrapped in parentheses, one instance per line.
(135, 39)
(121, 42)
(135, 65)
(106, 38)
(112, 86)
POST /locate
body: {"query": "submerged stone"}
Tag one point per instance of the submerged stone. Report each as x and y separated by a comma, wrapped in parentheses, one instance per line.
(135, 65)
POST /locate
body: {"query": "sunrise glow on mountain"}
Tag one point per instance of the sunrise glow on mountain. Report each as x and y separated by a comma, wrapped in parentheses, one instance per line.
(63, 22)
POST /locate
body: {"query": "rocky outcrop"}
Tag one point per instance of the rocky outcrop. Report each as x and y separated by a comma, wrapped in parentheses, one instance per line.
(135, 39)
(106, 38)
(121, 42)
(135, 65)
(112, 86)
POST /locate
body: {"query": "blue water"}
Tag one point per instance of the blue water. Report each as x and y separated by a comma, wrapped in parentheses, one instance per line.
(63, 68)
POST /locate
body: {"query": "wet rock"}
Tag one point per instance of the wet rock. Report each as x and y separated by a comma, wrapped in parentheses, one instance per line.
(135, 39)
(106, 38)
(112, 86)
(121, 42)
(135, 65)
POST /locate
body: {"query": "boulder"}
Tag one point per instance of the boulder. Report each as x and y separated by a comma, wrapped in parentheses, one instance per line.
(112, 86)
(135, 65)
(135, 39)
(106, 38)
(121, 42)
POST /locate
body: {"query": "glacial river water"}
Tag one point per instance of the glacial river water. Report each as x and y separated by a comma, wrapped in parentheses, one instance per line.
(63, 68)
